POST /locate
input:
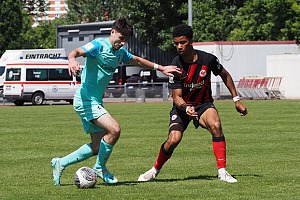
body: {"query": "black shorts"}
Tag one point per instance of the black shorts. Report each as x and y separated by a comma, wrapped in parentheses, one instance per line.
(180, 117)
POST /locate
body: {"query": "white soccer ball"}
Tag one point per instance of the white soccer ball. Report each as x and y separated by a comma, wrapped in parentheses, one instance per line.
(85, 177)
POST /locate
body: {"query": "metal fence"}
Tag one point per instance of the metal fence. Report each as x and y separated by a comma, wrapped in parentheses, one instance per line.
(147, 92)
(151, 92)
(138, 92)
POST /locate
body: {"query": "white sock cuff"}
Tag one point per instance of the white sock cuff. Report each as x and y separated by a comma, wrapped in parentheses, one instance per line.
(221, 170)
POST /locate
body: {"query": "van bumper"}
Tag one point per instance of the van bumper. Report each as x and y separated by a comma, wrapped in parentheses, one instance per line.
(22, 97)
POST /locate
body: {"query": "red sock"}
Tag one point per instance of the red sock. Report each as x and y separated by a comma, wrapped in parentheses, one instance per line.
(161, 158)
(219, 148)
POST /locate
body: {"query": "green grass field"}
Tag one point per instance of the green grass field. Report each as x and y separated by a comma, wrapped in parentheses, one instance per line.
(262, 148)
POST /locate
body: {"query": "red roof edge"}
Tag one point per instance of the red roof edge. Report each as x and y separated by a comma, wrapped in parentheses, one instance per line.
(244, 42)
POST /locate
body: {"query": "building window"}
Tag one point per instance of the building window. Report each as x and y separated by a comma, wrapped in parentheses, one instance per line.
(81, 38)
(70, 39)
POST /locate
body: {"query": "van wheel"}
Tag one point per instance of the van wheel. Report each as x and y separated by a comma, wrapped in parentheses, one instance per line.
(37, 98)
(116, 95)
(70, 101)
(131, 94)
(150, 95)
(19, 103)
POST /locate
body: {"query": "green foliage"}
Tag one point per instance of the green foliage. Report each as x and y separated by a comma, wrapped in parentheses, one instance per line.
(84, 11)
(35, 8)
(42, 36)
(263, 153)
(213, 20)
(153, 20)
(267, 20)
(10, 25)
(16, 26)
(294, 22)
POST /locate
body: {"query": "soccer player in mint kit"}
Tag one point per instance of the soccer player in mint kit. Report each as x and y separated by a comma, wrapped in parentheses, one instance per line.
(192, 101)
(102, 58)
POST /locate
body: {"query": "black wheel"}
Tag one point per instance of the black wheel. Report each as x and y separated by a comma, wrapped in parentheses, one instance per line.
(150, 94)
(70, 101)
(37, 98)
(116, 95)
(131, 94)
(19, 103)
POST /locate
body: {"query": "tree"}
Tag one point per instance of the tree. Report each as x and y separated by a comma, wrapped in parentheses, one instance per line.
(212, 20)
(267, 20)
(10, 25)
(153, 20)
(35, 7)
(295, 22)
(42, 36)
(80, 11)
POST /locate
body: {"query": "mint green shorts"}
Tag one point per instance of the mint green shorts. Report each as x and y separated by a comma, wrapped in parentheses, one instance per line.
(87, 111)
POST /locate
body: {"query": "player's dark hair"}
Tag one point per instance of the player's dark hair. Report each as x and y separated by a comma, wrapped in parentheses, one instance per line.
(122, 26)
(183, 30)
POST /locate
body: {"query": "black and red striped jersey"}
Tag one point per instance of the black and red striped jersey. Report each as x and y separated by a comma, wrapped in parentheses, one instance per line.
(195, 78)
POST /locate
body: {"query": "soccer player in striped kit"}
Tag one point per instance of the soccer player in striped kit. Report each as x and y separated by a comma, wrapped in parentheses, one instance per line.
(192, 101)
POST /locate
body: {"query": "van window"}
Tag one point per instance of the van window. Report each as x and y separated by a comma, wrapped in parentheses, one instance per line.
(13, 74)
(36, 74)
(59, 74)
(2, 68)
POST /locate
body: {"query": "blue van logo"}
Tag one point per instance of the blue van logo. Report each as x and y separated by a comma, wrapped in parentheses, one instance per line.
(54, 88)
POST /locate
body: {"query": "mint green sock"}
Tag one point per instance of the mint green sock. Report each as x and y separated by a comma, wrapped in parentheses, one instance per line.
(103, 155)
(81, 154)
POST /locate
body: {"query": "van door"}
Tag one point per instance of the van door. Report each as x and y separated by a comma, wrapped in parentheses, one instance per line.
(62, 86)
(12, 83)
(2, 68)
(36, 81)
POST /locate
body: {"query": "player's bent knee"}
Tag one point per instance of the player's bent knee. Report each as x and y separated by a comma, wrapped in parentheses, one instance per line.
(215, 127)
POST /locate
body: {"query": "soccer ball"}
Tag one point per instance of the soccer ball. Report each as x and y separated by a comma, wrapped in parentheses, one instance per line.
(85, 177)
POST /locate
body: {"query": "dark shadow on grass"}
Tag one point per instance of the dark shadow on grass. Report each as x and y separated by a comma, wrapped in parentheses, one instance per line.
(103, 184)
(202, 177)
(254, 175)
(123, 183)
(133, 183)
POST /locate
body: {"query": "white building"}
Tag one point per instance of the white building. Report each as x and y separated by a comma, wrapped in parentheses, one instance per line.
(288, 67)
(56, 9)
(249, 58)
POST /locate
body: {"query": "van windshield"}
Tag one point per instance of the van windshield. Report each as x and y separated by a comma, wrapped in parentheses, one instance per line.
(2, 68)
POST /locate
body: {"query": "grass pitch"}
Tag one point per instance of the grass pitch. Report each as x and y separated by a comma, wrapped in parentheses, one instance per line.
(262, 153)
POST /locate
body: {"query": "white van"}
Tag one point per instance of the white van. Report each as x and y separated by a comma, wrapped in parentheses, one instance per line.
(38, 80)
(17, 54)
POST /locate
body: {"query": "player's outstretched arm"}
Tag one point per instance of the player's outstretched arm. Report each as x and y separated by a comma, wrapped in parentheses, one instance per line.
(141, 62)
(227, 79)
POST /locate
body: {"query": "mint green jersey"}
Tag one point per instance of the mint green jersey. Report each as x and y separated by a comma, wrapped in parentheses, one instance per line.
(101, 63)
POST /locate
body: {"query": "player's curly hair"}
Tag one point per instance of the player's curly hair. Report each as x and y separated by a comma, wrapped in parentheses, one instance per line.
(183, 30)
(122, 26)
